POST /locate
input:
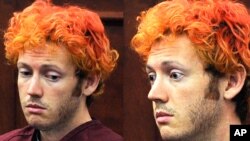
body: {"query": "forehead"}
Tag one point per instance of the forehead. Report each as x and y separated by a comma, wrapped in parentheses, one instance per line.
(179, 50)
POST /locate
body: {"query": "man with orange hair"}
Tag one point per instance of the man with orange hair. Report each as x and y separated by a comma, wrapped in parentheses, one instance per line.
(63, 56)
(197, 59)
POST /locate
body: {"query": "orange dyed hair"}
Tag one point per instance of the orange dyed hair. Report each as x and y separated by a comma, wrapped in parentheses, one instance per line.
(77, 29)
(219, 29)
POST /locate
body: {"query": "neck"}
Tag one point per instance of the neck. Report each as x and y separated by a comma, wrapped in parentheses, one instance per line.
(222, 133)
(54, 134)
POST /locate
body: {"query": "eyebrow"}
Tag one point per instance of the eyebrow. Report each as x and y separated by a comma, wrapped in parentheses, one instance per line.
(148, 67)
(164, 64)
(21, 64)
(170, 63)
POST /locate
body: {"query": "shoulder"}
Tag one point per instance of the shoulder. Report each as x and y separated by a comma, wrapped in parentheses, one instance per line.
(18, 134)
(93, 131)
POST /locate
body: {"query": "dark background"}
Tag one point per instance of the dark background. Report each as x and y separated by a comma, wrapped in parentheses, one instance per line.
(123, 106)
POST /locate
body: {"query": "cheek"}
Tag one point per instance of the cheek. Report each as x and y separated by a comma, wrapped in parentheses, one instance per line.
(53, 95)
(187, 95)
(153, 105)
(193, 88)
(55, 101)
(20, 83)
(57, 95)
(22, 88)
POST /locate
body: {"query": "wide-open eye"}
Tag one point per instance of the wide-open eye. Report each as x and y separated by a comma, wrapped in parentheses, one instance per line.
(151, 77)
(176, 75)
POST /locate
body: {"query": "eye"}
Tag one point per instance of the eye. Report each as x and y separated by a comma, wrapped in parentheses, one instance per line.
(151, 77)
(52, 76)
(23, 72)
(176, 75)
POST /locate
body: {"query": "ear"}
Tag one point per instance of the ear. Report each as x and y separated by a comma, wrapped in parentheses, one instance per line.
(235, 83)
(90, 83)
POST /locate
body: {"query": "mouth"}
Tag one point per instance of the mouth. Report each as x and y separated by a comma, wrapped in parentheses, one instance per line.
(34, 108)
(162, 117)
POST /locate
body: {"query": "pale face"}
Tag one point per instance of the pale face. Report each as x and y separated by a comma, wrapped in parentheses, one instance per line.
(178, 87)
(46, 83)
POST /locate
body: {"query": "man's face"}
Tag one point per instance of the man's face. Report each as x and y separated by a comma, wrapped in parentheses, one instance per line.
(46, 83)
(178, 88)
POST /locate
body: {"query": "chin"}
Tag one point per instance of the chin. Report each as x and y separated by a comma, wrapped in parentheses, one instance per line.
(174, 134)
(171, 137)
(168, 133)
(36, 123)
(40, 126)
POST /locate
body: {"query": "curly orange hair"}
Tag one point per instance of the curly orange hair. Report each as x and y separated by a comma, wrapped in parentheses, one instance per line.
(78, 29)
(220, 29)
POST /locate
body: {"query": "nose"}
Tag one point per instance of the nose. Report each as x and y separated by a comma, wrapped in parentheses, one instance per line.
(158, 91)
(34, 87)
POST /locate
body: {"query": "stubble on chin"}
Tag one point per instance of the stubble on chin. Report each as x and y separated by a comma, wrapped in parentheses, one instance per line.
(199, 123)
